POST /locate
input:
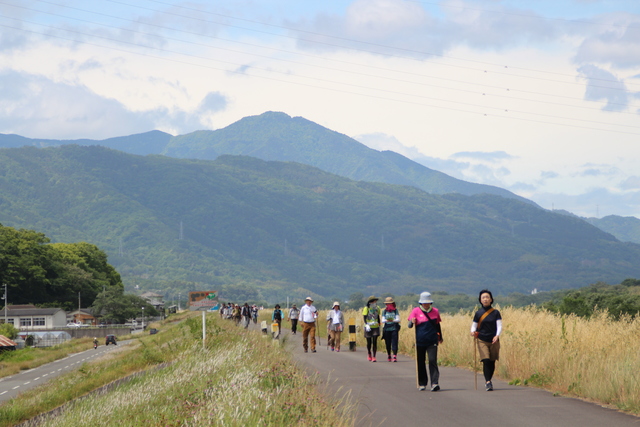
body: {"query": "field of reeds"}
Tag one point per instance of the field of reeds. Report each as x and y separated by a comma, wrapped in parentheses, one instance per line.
(596, 358)
(238, 378)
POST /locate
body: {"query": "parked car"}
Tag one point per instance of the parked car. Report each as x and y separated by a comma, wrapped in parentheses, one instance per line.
(153, 331)
(73, 325)
(110, 339)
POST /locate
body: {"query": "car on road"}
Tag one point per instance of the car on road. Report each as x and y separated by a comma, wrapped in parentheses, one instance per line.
(153, 331)
(73, 325)
(110, 339)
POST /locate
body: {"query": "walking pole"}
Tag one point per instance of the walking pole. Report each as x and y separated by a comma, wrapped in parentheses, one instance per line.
(475, 363)
(417, 367)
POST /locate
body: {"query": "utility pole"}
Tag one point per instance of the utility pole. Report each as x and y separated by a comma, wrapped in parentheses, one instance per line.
(4, 297)
(79, 305)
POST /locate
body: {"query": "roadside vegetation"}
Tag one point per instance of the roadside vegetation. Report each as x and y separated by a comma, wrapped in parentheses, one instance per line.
(238, 378)
(594, 358)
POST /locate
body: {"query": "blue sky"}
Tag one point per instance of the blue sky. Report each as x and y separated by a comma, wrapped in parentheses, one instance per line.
(538, 97)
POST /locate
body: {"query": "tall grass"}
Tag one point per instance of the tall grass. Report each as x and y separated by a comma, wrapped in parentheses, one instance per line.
(594, 358)
(239, 378)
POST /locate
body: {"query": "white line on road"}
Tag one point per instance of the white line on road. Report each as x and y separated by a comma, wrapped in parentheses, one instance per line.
(16, 387)
(2, 393)
(28, 382)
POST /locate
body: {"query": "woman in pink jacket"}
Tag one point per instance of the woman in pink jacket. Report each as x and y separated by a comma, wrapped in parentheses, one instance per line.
(428, 335)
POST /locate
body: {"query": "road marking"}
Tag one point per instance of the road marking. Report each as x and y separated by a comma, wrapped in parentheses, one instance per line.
(2, 393)
(28, 382)
(37, 379)
(16, 387)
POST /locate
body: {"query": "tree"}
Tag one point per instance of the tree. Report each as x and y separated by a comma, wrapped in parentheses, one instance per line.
(8, 330)
(117, 307)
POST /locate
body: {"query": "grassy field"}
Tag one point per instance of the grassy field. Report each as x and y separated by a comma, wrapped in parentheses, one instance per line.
(238, 378)
(597, 359)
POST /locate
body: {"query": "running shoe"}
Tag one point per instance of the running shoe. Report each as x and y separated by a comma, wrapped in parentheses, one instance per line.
(488, 386)
(422, 388)
(435, 387)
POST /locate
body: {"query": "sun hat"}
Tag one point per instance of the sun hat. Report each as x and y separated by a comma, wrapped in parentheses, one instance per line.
(389, 300)
(335, 303)
(372, 298)
(425, 298)
(308, 299)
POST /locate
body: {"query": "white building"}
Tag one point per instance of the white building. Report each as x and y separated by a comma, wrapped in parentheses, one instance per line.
(31, 318)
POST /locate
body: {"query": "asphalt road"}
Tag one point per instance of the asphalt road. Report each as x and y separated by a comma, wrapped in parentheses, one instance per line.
(12, 386)
(386, 394)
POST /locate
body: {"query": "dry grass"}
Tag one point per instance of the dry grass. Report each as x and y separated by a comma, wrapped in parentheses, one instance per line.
(238, 379)
(596, 359)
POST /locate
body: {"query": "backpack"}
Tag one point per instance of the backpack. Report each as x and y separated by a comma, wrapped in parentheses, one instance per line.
(277, 315)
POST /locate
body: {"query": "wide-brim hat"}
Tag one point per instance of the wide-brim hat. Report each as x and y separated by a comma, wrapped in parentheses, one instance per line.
(389, 300)
(425, 298)
(335, 303)
(308, 299)
(372, 298)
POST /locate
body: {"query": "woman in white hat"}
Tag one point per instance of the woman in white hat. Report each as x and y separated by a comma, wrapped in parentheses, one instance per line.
(335, 325)
(371, 315)
(428, 335)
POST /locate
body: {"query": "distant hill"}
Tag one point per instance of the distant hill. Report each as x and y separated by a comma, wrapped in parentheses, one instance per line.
(238, 224)
(625, 229)
(277, 136)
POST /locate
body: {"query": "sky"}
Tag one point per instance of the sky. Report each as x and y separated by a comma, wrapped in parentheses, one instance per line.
(538, 97)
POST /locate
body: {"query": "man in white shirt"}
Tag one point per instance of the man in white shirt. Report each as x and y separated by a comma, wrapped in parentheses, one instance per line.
(308, 316)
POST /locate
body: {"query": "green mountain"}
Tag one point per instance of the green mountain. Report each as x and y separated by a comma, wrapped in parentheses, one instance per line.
(238, 224)
(625, 229)
(276, 136)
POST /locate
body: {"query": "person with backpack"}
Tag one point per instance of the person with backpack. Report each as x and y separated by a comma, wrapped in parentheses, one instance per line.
(371, 314)
(254, 313)
(335, 325)
(486, 328)
(276, 317)
(293, 315)
(246, 315)
(426, 319)
(237, 314)
(390, 328)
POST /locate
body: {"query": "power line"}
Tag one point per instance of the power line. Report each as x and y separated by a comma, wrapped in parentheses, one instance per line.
(484, 92)
(352, 86)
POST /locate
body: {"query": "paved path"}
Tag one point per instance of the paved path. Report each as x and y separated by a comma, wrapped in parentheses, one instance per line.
(386, 394)
(11, 386)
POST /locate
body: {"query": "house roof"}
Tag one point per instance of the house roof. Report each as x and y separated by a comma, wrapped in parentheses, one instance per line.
(30, 311)
(6, 342)
(151, 295)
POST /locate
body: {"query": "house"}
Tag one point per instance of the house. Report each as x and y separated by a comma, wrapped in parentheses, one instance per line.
(155, 300)
(7, 344)
(83, 316)
(30, 318)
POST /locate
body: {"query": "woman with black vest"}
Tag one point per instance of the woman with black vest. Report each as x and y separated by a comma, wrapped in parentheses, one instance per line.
(486, 328)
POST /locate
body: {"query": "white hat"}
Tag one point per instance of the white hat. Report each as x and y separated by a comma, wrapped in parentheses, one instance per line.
(425, 298)
(308, 299)
(335, 303)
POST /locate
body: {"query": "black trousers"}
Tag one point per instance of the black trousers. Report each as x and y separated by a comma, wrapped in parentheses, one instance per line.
(421, 361)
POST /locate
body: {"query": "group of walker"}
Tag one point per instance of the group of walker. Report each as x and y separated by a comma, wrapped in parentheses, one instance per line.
(485, 328)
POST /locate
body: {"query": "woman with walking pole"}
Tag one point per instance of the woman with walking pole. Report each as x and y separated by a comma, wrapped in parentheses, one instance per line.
(426, 319)
(486, 329)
